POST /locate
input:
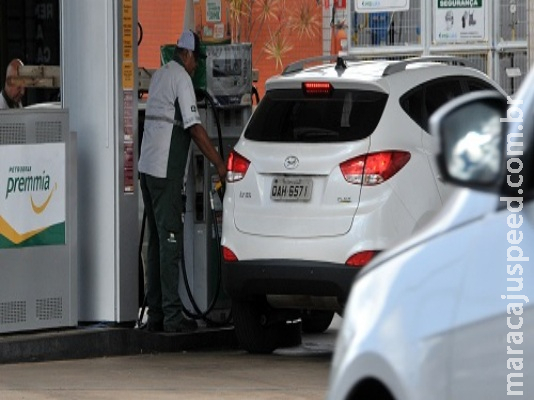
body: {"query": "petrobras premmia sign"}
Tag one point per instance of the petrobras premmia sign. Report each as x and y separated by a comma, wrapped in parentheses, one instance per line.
(371, 6)
(32, 195)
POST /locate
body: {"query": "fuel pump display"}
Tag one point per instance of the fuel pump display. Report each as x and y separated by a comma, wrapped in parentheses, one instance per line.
(229, 74)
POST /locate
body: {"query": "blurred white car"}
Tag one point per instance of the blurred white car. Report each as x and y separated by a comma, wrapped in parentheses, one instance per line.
(449, 313)
(335, 165)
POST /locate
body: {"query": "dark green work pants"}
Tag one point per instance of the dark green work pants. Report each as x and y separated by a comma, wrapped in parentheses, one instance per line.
(163, 206)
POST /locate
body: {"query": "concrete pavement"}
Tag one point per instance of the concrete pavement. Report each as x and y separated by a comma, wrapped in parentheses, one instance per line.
(203, 365)
(213, 375)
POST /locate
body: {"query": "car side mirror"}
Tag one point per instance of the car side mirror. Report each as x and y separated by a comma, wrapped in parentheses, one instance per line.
(472, 140)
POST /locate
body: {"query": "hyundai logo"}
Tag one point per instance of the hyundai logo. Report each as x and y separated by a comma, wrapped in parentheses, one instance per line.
(291, 162)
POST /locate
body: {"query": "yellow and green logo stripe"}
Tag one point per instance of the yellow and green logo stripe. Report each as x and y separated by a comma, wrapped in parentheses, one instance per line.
(10, 238)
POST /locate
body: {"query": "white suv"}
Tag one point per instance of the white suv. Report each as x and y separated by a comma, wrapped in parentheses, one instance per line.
(335, 165)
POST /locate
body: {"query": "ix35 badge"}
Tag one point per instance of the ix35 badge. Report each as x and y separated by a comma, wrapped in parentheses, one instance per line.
(291, 162)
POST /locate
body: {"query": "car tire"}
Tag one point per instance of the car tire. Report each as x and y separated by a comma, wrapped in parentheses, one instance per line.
(316, 321)
(256, 335)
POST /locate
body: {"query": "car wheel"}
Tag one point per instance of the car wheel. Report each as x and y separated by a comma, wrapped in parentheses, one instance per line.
(257, 329)
(316, 321)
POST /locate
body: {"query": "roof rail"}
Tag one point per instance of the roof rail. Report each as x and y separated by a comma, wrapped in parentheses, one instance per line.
(402, 64)
(299, 65)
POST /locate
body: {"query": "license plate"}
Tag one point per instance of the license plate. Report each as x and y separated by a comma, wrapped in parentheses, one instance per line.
(291, 189)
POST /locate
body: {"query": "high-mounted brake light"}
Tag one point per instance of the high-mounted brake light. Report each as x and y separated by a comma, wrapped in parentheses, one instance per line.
(236, 166)
(360, 259)
(374, 168)
(317, 88)
(228, 255)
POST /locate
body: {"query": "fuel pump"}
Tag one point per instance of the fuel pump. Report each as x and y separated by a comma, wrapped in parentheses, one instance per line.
(226, 83)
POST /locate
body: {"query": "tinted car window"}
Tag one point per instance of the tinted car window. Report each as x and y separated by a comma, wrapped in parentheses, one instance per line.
(291, 116)
(439, 93)
(477, 84)
(421, 102)
(412, 104)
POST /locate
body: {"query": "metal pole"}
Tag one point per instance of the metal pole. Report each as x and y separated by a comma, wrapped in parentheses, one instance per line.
(530, 32)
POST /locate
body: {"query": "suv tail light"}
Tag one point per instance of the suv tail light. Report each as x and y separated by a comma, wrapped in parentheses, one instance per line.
(374, 168)
(228, 255)
(360, 259)
(317, 88)
(236, 166)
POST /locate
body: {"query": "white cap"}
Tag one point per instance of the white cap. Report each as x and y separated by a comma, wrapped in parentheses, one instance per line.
(190, 41)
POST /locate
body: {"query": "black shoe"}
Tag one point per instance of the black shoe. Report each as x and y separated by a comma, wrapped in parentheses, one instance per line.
(185, 326)
(188, 325)
(154, 326)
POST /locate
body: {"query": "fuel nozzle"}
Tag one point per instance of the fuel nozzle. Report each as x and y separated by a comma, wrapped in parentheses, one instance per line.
(217, 188)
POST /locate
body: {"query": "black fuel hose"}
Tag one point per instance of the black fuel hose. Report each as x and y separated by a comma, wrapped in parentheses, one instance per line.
(256, 94)
(215, 108)
(198, 313)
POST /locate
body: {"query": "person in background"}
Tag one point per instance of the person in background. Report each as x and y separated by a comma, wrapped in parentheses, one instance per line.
(11, 95)
(171, 121)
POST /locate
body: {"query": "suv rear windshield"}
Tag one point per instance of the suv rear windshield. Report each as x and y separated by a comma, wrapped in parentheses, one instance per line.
(291, 116)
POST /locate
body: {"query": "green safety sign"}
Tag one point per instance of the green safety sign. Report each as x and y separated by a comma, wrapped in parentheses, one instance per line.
(459, 3)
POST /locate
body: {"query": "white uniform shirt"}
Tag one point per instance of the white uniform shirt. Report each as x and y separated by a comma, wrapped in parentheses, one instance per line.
(168, 83)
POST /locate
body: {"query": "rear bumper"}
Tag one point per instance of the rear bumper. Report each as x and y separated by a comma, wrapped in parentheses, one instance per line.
(250, 278)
